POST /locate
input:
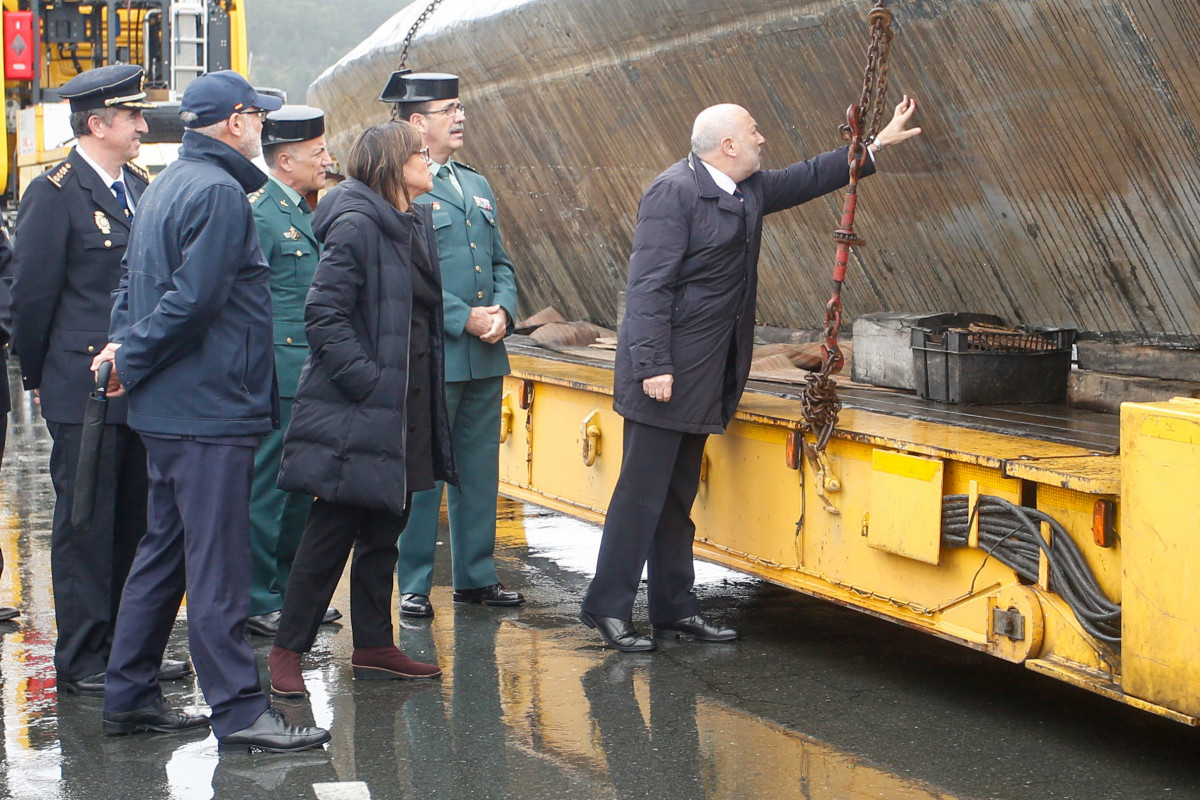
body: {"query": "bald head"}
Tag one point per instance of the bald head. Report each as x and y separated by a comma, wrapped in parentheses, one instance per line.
(715, 123)
(727, 137)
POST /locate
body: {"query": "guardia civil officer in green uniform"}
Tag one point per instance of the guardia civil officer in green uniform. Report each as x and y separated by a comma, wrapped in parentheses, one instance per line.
(294, 148)
(479, 295)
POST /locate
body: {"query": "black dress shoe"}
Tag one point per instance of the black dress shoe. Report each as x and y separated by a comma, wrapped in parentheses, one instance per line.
(172, 670)
(8, 612)
(494, 595)
(331, 615)
(158, 716)
(698, 628)
(415, 605)
(264, 624)
(91, 686)
(619, 633)
(271, 732)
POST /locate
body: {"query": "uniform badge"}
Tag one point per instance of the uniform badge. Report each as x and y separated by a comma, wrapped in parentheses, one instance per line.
(292, 233)
(102, 223)
(436, 206)
(483, 203)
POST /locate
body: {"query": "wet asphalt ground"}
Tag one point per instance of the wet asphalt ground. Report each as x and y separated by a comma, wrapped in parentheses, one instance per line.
(815, 702)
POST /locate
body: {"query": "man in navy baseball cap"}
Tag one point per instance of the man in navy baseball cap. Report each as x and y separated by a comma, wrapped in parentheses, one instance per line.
(216, 96)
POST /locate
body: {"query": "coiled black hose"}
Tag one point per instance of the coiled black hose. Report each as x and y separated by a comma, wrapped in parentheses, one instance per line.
(1012, 534)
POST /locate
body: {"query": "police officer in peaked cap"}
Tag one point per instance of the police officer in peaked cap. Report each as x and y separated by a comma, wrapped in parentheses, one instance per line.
(72, 229)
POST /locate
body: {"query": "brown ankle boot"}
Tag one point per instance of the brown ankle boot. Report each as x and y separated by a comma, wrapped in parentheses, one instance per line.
(284, 666)
(388, 663)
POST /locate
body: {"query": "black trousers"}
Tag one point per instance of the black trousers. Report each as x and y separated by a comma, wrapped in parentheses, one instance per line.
(649, 524)
(88, 568)
(333, 529)
(198, 540)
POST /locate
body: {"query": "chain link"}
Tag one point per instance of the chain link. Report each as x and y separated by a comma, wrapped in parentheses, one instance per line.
(412, 32)
(819, 400)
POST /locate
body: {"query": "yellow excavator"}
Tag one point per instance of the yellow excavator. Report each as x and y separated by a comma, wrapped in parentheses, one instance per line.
(48, 42)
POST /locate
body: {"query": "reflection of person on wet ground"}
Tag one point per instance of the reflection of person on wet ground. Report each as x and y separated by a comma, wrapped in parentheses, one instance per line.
(663, 757)
(467, 755)
(6, 612)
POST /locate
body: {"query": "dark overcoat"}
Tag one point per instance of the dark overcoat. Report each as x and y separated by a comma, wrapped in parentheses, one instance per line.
(71, 234)
(346, 442)
(693, 280)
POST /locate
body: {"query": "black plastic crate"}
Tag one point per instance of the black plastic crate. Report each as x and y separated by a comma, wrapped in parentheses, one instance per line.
(986, 366)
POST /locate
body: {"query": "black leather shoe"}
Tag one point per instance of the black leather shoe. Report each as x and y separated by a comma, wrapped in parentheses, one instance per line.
(619, 633)
(264, 624)
(415, 605)
(8, 612)
(698, 628)
(171, 670)
(331, 615)
(271, 732)
(158, 716)
(494, 595)
(91, 686)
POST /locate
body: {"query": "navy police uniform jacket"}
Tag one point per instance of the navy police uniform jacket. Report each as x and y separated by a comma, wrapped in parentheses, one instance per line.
(693, 282)
(193, 310)
(71, 234)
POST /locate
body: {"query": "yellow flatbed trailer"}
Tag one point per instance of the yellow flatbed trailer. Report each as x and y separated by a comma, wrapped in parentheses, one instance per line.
(866, 529)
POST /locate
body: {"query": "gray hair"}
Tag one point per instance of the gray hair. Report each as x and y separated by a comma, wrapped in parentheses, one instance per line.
(79, 119)
(211, 131)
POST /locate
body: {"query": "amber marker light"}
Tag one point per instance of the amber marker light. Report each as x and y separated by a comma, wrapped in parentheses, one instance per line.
(525, 395)
(1103, 513)
(793, 447)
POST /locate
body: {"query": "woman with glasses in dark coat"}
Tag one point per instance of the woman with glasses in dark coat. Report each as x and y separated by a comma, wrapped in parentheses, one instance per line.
(369, 426)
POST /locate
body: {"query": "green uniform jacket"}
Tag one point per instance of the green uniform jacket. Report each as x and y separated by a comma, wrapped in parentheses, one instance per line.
(476, 271)
(285, 233)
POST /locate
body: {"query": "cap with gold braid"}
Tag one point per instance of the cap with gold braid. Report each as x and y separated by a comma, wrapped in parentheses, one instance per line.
(117, 85)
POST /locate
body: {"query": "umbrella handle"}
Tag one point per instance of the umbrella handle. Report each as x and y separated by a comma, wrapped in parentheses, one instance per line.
(103, 372)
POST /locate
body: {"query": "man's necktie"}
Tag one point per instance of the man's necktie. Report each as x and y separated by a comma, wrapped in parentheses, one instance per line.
(444, 173)
(738, 194)
(122, 198)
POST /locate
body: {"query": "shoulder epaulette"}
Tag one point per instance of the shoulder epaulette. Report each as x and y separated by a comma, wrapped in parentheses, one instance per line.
(138, 170)
(466, 166)
(58, 175)
(256, 196)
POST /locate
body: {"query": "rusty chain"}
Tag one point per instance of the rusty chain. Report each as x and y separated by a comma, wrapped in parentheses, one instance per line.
(412, 32)
(819, 400)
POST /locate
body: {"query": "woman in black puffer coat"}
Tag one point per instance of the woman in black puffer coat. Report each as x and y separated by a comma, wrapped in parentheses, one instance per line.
(369, 425)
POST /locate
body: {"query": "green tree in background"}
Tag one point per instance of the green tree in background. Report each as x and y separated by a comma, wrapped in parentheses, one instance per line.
(294, 41)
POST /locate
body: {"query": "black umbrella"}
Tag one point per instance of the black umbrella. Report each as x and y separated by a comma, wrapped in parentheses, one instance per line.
(88, 473)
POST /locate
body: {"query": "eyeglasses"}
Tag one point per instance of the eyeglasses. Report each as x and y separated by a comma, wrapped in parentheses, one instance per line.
(424, 151)
(448, 111)
(258, 112)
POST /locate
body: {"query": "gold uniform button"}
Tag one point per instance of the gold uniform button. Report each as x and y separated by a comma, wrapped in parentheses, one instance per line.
(108, 242)
(478, 268)
(299, 252)
(289, 340)
(479, 295)
(472, 245)
(468, 223)
(91, 348)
